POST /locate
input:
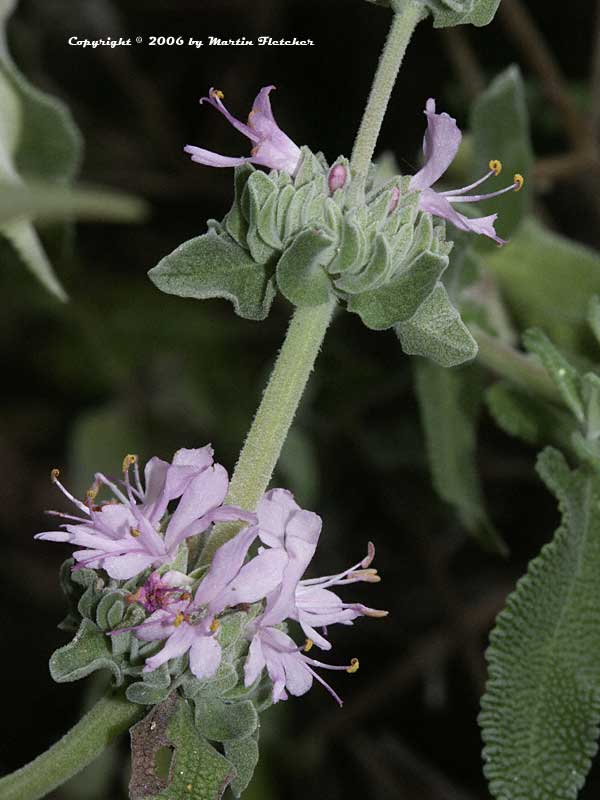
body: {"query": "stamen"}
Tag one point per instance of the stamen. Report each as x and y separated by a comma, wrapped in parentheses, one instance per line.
(519, 181)
(54, 478)
(113, 487)
(135, 533)
(128, 461)
(374, 612)
(495, 166)
(217, 94)
(354, 665)
(475, 198)
(185, 596)
(214, 625)
(367, 561)
(179, 619)
(308, 645)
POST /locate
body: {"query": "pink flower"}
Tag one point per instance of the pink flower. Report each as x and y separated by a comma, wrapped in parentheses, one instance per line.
(193, 626)
(289, 669)
(271, 147)
(284, 526)
(440, 146)
(124, 536)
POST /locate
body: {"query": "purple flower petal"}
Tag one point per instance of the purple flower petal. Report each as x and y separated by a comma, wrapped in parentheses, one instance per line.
(178, 643)
(254, 581)
(205, 493)
(226, 564)
(434, 203)
(205, 656)
(210, 159)
(440, 146)
(273, 511)
(255, 662)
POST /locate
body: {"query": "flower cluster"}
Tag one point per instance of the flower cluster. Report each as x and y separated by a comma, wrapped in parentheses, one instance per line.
(275, 150)
(135, 535)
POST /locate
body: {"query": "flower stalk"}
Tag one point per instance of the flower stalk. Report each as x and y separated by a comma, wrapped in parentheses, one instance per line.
(408, 15)
(110, 717)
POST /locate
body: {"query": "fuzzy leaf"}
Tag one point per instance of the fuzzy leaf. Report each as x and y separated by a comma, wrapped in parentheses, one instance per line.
(452, 12)
(214, 266)
(541, 711)
(89, 651)
(221, 721)
(301, 274)
(500, 128)
(243, 754)
(437, 332)
(449, 402)
(527, 417)
(196, 770)
(153, 689)
(564, 375)
(399, 299)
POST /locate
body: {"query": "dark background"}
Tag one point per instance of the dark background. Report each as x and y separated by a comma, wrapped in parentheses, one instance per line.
(123, 368)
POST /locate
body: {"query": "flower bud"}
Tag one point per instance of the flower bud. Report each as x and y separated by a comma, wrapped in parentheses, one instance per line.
(337, 177)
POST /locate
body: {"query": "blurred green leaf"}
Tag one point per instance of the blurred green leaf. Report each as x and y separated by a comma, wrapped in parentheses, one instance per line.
(528, 417)
(541, 710)
(52, 203)
(38, 140)
(449, 401)
(564, 375)
(500, 130)
(547, 281)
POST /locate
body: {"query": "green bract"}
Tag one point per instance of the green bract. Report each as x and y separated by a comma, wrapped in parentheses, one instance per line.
(382, 259)
(217, 710)
(446, 13)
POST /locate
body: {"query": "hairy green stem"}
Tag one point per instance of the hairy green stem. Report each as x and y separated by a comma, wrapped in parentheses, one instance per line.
(111, 716)
(520, 369)
(407, 16)
(275, 414)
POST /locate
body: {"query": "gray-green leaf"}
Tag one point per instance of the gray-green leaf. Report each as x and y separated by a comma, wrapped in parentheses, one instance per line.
(437, 332)
(449, 402)
(541, 711)
(87, 652)
(215, 266)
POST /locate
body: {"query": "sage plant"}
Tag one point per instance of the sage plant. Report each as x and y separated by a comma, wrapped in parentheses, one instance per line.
(194, 591)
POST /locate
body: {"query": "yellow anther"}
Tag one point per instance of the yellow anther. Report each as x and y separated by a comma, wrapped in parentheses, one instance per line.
(128, 461)
(178, 619)
(354, 665)
(215, 625)
(375, 612)
(54, 474)
(217, 93)
(519, 181)
(495, 166)
(308, 645)
(135, 533)
(92, 492)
